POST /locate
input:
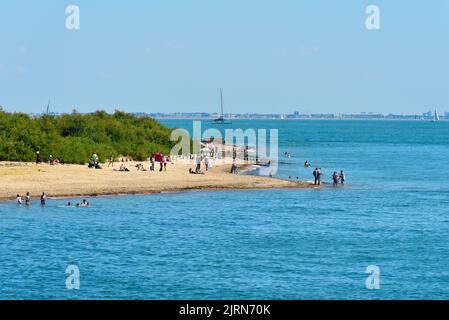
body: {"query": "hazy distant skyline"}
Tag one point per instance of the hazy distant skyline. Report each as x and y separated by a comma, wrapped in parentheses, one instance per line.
(269, 57)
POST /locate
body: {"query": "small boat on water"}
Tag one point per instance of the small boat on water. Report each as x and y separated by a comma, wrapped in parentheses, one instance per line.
(436, 117)
(221, 119)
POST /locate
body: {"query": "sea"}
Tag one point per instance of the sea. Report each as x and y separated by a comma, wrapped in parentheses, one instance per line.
(384, 235)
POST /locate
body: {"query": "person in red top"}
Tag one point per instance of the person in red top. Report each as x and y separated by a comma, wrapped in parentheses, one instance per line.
(159, 157)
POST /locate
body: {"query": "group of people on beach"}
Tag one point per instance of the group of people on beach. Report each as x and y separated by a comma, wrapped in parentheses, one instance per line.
(198, 161)
(51, 160)
(94, 161)
(336, 177)
(156, 157)
(19, 199)
(162, 159)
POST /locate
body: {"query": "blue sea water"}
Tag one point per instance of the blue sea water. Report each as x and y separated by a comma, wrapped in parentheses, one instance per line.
(256, 244)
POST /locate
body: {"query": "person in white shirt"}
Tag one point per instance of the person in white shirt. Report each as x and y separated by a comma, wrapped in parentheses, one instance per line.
(27, 199)
(198, 164)
(19, 200)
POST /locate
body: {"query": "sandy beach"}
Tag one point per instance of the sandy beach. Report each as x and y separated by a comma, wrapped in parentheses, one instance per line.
(77, 180)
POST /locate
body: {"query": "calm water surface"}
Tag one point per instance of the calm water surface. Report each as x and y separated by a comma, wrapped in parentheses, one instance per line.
(257, 244)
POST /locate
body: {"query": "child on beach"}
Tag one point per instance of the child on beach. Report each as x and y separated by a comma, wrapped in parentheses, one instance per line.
(27, 199)
(152, 163)
(19, 200)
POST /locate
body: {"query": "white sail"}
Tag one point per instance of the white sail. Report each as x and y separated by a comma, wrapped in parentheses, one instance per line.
(436, 117)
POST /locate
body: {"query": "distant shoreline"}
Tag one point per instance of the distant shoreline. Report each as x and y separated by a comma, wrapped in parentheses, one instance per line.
(303, 119)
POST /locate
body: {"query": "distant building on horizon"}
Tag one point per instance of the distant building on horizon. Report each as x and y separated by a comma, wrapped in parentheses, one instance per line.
(427, 115)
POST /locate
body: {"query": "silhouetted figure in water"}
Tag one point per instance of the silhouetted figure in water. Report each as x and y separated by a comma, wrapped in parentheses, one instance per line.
(315, 175)
(342, 177)
(43, 199)
(335, 178)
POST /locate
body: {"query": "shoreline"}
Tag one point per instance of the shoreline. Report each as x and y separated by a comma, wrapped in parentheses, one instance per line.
(69, 181)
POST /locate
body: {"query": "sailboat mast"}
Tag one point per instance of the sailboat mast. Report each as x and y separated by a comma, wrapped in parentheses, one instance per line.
(221, 102)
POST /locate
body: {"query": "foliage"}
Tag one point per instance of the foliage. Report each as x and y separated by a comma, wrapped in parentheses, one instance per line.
(73, 137)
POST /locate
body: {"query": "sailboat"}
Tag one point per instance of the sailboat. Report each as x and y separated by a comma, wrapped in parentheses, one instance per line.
(221, 119)
(48, 106)
(436, 117)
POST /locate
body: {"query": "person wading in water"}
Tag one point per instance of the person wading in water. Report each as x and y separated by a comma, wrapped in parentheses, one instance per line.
(315, 175)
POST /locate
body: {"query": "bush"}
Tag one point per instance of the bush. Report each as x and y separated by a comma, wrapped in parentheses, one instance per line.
(73, 137)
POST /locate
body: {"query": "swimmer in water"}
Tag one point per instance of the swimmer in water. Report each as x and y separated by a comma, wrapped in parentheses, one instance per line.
(84, 203)
(307, 164)
(19, 200)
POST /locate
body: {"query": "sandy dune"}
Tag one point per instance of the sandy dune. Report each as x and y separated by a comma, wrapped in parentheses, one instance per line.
(77, 180)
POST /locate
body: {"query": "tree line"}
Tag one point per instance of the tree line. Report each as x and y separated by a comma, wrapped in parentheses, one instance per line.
(73, 137)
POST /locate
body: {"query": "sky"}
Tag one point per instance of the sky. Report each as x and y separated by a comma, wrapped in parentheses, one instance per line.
(268, 56)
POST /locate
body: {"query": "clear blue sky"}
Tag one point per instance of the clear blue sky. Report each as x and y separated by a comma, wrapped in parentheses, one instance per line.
(269, 56)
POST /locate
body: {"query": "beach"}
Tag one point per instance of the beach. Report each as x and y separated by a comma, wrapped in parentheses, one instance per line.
(77, 180)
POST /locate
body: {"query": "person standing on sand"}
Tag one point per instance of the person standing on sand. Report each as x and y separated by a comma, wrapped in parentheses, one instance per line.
(161, 165)
(234, 168)
(38, 158)
(165, 163)
(315, 175)
(198, 164)
(159, 157)
(43, 199)
(111, 161)
(206, 163)
(342, 177)
(152, 163)
(319, 176)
